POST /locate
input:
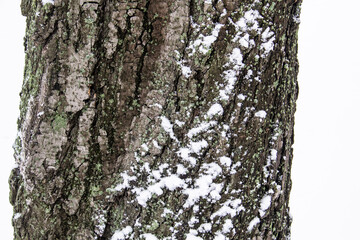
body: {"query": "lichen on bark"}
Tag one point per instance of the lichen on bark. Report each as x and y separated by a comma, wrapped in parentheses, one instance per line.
(170, 119)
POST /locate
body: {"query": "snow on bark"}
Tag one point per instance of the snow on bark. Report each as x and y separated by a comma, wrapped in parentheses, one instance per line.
(156, 120)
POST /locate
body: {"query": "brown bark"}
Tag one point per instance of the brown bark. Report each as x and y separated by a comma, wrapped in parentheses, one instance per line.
(170, 118)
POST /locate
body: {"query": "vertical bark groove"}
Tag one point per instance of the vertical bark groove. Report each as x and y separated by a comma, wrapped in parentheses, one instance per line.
(156, 118)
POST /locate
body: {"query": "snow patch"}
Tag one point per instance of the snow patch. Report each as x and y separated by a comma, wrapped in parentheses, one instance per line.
(126, 181)
(230, 76)
(149, 236)
(230, 207)
(179, 123)
(227, 226)
(186, 71)
(260, 114)
(156, 144)
(214, 110)
(268, 38)
(203, 43)
(204, 185)
(273, 155)
(253, 223)
(197, 146)
(205, 227)
(145, 147)
(123, 234)
(16, 216)
(47, 1)
(204, 126)
(184, 153)
(241, 97)
(181, 170)
(264, 205)
(219, 236)
(168, 127)
(191, 236)
(170, 182)
(226, 161)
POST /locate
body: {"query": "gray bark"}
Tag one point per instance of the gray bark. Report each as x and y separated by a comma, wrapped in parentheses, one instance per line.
(162, 117)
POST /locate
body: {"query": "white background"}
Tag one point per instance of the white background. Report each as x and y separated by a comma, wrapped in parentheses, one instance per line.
(326, 181)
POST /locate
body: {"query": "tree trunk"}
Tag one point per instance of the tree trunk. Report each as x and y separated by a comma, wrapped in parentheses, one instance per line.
(156, 119)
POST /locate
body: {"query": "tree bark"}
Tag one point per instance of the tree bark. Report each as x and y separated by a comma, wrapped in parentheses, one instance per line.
(156, 119)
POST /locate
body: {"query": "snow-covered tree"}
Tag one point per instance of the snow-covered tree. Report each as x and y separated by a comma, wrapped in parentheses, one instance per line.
(156, 119)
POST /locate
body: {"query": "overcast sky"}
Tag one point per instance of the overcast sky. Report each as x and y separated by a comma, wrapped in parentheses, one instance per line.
(326, 178)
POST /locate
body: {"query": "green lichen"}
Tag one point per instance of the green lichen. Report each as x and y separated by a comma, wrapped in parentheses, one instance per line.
(60, 122)
(154, 225)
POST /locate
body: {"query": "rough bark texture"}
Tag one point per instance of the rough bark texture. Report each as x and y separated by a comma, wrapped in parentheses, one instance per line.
(158, 118)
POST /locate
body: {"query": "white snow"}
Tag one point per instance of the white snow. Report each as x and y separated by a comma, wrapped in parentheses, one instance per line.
(249, 74)
(268, 38)
(267, 34)
(245, 41)
(248, 22)
(264, 204)
(170, 182)
(179, 123)
(192, 221)
(197, 146)
(181, 170)
(126, 181)
(230, 76)
(227, 226)
(204, 126)
(214, 110)
(244, 25)
(204, 42)
(142, 196)
(230, 207)
(273, 154)
(241, 97)
(100, 219)
(145, 147)
(219, 236)
(14, 166)
(166, 211)
(205, 227)
(236, 58)
(149, 236)
(186, 71)
(204, 185)
(47, 1)
(234, 167)
(252, 224)
(184, 153)
(17, 215)
(123, 234)
(226, 161)
(267, 46)
(168, 127)
(260, 114)
(156, 174)
(155, 188)
(156, 144)
(191, 236)
(212, 169)
(296, 19)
